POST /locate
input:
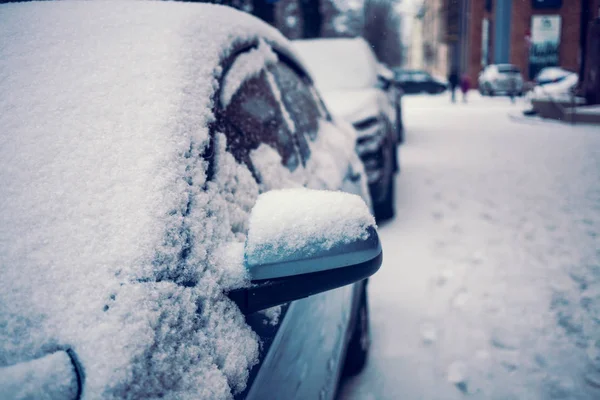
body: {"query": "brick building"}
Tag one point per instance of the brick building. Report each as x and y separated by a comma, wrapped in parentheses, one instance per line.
(505, 31)
(435, 50)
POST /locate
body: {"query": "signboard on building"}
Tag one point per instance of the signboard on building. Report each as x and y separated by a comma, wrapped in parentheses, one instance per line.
(485, 42)
(545, 42)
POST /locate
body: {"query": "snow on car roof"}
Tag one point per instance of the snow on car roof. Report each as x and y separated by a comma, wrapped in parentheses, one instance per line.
(550, 73)
(339, 63)
(111, 242)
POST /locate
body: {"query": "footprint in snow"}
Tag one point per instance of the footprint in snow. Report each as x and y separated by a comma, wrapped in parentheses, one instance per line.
(457, 375)
(428, 333)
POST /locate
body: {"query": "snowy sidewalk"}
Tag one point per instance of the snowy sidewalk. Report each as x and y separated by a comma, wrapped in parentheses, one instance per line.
(490, 287)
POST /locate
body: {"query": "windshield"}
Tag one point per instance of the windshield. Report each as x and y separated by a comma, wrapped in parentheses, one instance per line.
(339, 64)
(508, 69)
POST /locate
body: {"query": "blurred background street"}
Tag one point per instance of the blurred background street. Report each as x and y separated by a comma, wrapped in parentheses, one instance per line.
(490, 283)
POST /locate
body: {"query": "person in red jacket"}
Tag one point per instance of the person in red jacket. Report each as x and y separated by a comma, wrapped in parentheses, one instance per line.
(465, 85)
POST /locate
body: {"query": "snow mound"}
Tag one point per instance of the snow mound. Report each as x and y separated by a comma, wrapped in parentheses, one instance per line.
(112, 242)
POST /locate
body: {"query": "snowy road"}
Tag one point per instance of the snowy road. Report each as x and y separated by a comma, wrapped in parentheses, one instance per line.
(490, 287)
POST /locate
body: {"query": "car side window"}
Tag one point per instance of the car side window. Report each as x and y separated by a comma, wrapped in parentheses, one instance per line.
(420, 77)
(255, 116)
(303, 104)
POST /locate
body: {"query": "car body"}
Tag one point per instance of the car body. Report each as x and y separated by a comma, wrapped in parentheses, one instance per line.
(418, 81)
(500, 79)
(359, 89)
(135, 141)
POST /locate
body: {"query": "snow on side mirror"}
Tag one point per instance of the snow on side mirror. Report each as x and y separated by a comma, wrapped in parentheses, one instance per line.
(303, 242)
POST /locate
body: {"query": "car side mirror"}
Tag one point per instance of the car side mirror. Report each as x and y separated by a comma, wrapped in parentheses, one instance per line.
(302, 242)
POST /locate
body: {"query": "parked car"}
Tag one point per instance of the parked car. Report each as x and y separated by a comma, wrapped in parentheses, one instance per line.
(172, 220)
(360, 90)
(500, 79)
(551, 75)
(418, 81)
(561, 89)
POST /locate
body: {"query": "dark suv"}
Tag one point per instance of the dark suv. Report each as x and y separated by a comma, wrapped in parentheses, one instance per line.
(418, 81)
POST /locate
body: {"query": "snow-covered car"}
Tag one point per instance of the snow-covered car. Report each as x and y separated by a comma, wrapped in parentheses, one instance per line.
(562, 90)
(500, 79)
(419, 81)
(173, 215)
(349, 76)
(551, 75)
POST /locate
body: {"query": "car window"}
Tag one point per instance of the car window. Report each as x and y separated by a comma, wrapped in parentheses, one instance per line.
(302, 103)
(420, 77)
(254, 116)
(403, 76)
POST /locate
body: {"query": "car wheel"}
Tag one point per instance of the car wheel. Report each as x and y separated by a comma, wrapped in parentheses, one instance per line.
(490, 91)
(385, 210)
(360, 342)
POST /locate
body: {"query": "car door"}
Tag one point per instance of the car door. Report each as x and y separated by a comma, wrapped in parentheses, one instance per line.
(302, 343)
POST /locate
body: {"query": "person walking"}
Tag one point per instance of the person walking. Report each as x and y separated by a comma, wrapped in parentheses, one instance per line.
(453, 82)
(465, 85)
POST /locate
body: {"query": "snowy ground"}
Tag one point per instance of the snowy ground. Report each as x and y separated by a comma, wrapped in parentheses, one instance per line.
(490, 287)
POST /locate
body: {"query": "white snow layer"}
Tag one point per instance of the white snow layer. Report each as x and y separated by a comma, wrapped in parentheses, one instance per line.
(111, 242)
(354, 105)
(340, 63)
(301, 220)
